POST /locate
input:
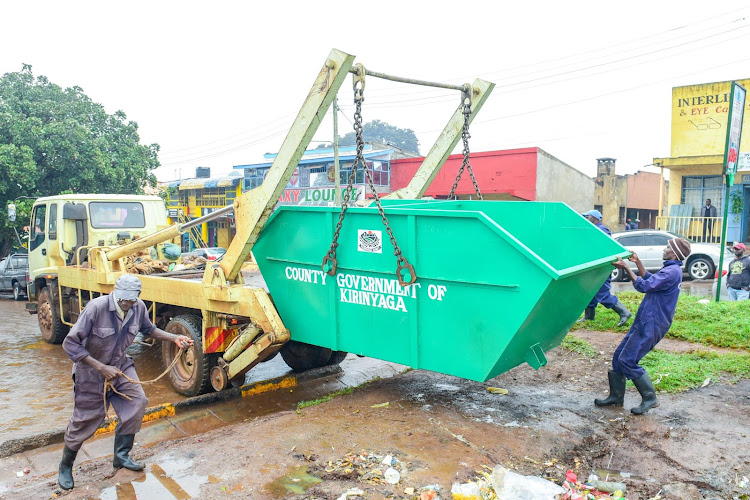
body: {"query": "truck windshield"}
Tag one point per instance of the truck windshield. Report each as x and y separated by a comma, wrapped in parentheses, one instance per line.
(116, 214)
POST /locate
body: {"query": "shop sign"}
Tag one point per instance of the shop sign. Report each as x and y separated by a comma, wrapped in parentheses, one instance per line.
(319, 196)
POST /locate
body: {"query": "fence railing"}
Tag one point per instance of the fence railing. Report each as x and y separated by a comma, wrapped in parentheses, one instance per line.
(701, 229)
(210, 200)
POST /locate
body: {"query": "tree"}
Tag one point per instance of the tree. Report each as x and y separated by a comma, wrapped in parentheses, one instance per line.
(55, 140)
(377, 131)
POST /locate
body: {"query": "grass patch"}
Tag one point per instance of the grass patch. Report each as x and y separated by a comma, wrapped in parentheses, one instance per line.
(723, 324)
(324, 399)
(581, 346)
(680, 372)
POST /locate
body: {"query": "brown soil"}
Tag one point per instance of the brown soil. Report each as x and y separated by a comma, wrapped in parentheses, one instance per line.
(442, 429)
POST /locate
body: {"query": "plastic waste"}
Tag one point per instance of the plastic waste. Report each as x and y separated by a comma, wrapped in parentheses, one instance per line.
(171, 251)
(392, 476)
(608, 486)
(466, 491)
(511, 486)
(354, 492)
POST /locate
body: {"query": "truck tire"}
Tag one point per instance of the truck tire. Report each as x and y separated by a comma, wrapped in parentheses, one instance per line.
(191, 375)
(53, 330)
(300, 356)
(18, 293)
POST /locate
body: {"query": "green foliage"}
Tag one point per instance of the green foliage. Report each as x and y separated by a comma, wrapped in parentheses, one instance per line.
(722, 324)
(578, 345)
(383, 133)
(672, 372)
(324, 399)
(736, 200)
(54, 140)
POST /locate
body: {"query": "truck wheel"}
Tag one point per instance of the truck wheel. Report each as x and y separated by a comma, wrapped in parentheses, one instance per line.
(190, 376)
(17, 292)
(53, 330)
(300, 356)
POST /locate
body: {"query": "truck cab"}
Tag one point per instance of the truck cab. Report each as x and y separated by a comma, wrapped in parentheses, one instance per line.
(63, 227)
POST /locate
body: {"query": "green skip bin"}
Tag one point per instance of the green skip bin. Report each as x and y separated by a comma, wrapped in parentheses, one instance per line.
(499, 283)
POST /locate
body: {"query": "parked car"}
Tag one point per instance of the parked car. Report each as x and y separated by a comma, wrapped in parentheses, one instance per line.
(14, 275)
(649, 245)
(210, 253)
(724, 292)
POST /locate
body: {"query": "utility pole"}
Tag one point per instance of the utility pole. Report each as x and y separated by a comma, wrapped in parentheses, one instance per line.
(336, 169)
(731, 157)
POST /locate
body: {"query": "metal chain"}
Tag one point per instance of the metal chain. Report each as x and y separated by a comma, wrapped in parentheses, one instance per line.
(465, 164)
(329, 261)
(402, 263)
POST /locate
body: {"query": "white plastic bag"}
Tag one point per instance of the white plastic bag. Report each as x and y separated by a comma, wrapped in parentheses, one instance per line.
(511, 486)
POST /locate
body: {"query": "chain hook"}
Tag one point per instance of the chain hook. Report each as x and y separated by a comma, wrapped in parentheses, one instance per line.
(359, 77)
(465, 136)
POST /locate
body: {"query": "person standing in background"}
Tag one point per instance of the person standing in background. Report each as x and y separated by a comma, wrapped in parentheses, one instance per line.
(604, 295)
(738, 276)
(708, 214)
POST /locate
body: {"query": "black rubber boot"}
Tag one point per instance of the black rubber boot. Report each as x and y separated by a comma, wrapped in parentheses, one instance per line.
(123, 445)
(65, 476)
(620, 309)
(588, 314)
(616, 390)
(648, 393)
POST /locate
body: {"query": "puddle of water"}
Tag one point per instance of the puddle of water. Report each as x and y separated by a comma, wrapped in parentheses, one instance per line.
(296, 482)
(169, 478)
(42, 345)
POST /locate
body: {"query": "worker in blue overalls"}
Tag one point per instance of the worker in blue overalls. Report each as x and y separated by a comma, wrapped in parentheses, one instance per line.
(604, 295)
(652, 321)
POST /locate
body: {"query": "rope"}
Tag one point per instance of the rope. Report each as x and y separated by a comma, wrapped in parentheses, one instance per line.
(109, 386)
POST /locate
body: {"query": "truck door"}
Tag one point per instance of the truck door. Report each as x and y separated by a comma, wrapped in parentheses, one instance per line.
(38, 239)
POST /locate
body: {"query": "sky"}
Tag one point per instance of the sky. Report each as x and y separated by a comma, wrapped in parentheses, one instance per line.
(218, 84)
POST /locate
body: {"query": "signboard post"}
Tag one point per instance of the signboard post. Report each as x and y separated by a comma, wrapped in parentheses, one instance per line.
(731, 159)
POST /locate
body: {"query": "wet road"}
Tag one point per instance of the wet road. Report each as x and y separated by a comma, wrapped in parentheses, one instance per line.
(36, 393)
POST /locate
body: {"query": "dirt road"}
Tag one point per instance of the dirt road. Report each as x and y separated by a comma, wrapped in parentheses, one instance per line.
(440, 430)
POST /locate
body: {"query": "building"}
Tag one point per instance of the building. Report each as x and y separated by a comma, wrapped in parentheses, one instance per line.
(622, 197)
(189, 199)
(313, 182)
(699, 131)
(528, 174)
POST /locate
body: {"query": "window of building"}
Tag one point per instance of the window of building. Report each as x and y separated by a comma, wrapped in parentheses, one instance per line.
(622, 215)
(253, 178)
(696, 189)
(380, 171)
(600, 208)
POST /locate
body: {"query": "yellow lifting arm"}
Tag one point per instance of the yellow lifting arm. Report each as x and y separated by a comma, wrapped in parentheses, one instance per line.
(252, 209)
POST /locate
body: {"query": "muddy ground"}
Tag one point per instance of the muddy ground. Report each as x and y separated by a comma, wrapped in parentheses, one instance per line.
(442, 429)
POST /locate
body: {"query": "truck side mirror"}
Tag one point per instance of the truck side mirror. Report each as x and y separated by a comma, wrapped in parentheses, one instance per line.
(11, 212)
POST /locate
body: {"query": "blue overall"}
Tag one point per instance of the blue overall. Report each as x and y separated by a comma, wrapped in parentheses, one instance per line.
(653, 319)
(604, 296)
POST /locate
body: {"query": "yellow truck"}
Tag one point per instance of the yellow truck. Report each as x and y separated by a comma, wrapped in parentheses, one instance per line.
(80, 244)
